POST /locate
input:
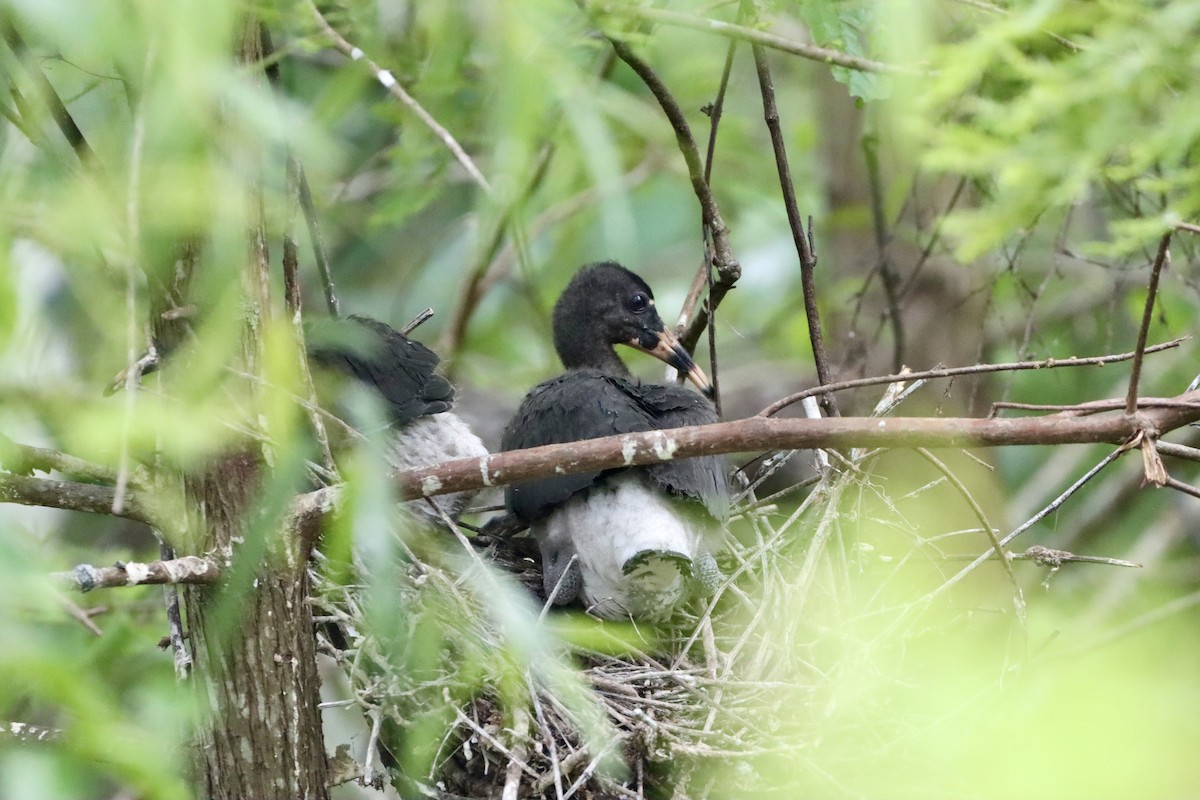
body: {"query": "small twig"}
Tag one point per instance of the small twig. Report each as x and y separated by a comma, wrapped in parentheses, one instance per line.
(320, 254)
(388, 81)
(84, 616)
(947, 372)
(512, 777)
(1180, 486)
(1187, 226)
(1049, 509)
(368, 768)
(801, 239)
(1176, 606)
(188, 569)
(293, 298)
(1179, 451)
(986, 526)
(1162, 259)
(417, 321)
(1049, 557)
(758, 38)
(891, 287)
(133, 373)
(175, 635)
(1089, 407)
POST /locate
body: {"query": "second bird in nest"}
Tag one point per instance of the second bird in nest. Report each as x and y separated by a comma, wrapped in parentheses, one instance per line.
(626, 542)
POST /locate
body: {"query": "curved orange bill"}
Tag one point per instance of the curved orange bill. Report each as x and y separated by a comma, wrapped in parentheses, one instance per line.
(664, 346)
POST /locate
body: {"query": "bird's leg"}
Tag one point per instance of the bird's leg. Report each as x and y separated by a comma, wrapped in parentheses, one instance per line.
(561, 579)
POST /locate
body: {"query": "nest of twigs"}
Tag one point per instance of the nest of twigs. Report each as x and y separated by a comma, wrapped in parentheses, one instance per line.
(728, 690)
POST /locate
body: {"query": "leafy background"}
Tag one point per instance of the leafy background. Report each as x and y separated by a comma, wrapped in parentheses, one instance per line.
(1024, 173)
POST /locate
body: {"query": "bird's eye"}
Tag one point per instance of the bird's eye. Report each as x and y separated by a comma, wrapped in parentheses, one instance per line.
(639, 303)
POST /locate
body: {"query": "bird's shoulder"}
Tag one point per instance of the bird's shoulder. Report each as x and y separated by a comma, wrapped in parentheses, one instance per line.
(580, 404)
(400, 369)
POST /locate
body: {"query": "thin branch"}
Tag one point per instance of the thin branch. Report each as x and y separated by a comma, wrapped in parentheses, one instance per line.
(1046, 511)
(388, 81)
(84, 616)
(71, 497)
(1178, 451)
(320, 254)
(1049, 557)
(1163, 259)
(975, 369)
(417, 321)
(58, 110)
(1179, 604)
(133, 375)
(188, 569)
(1180, 486)
(293, 298)
(757, 38)
(801, 239)
(891, 284)
(21, 458)
(989, 531)
(175, 635)
(728, 268)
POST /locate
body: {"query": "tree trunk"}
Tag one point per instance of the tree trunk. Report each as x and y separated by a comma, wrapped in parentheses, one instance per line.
(258, 670)
(252, 640)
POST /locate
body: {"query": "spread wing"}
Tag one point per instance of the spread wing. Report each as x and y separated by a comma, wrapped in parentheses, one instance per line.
(400, 369)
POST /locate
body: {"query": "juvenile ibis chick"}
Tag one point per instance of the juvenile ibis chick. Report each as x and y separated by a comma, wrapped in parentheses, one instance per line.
(422, 430)
(625, 542)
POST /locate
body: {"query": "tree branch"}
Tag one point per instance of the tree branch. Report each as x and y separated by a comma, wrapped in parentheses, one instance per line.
(757, 433)
(728, 268)
(974, 369)
(71, 496)
(22, 458)
(188, 569)
(801, 238)
(1163, 259)
(756, 37)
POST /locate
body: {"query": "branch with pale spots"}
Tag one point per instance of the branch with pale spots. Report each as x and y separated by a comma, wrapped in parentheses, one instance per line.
(761, 433)
(187, 569)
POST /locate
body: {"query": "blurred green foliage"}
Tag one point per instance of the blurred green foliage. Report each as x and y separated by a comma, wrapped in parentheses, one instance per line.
(1071, 124)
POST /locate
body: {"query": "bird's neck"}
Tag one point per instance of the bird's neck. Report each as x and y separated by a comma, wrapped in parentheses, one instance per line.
(591, 354)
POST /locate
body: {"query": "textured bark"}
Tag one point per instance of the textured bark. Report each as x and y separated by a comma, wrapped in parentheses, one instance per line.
(258, 674)
(254, 659)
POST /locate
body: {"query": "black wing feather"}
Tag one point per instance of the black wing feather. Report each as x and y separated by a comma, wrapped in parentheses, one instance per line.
(399, 368)
(586, 404)
(701, 479)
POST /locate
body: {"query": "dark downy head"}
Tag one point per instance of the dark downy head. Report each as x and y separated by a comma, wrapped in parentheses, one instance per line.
(606, 305)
